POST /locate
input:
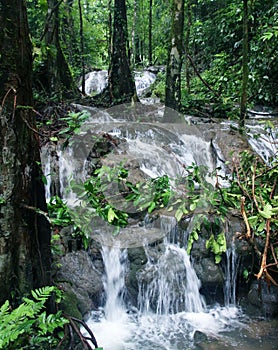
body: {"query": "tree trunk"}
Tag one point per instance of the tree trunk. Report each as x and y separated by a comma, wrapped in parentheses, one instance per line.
(150, 32)
(135, 34)
(24, 235)
(173, 72)
(187, 38)
(121, 83)
(81, 47)
(57, 76)
(243, 100)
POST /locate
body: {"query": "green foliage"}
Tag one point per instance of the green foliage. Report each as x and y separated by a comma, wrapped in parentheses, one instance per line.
(29, 326)
(62, 216)
(74, 120)
(59, 212)
(217, 246)
(257, 183)
(216, 49)
(109, 189)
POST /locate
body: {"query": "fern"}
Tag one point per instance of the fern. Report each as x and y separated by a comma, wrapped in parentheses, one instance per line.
(28, 326)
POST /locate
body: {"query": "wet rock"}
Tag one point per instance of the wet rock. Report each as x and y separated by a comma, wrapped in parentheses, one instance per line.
(79, 276)
(137, 259)
(264, 297)
(199, 337)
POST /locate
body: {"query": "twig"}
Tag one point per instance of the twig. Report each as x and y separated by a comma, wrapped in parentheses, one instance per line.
(253, 187)
(38, 211)
(274, 255)
(85, 340)
(243, 213)
(93, 339)
(31, 128)
(201, 78)
(263, 263)
(238, 180)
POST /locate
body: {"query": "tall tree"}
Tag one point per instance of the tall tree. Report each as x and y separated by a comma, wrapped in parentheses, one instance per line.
(121, 82)
(243, 100)
(24, 234)
(175, 55)
(57, 75)
(150, 32)
(186, 43)
(81, 47)
(135, 33)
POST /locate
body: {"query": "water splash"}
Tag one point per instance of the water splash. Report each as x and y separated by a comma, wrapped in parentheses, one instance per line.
(172, 284)
(170, 307)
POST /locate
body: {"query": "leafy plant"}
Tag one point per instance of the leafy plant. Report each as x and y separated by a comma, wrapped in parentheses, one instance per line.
(256, 183)
(29, 326)
(109, 189)
(74, 120)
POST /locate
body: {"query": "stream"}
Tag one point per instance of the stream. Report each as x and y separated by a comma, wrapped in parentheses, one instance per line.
(170, 313)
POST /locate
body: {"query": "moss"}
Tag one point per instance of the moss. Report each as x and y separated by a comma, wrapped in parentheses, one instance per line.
(69, 305)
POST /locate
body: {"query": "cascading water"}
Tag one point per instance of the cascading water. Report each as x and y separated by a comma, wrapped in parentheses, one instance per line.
(115, 261)
(172, 286)
(170, 308)
(97, 81)
(231, 275)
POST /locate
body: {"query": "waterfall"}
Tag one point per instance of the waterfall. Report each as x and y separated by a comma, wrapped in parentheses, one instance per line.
(231, 275)
(115, 263)
(263, 143)
(46, 168)
(170, 308)
(97, 81)
(173, 285)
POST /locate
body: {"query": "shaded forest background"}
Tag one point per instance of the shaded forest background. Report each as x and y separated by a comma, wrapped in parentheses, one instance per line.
(75, 37)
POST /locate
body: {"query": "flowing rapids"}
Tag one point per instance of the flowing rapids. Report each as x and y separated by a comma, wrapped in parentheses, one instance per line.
(170, 308)
(170, 313)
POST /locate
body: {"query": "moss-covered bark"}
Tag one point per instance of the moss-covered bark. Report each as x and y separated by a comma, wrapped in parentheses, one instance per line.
(24, 235)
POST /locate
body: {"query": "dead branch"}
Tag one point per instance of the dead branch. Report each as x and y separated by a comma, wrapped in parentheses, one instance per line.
(245, 219)
(201, 78)
(253, 187)
(264, 257)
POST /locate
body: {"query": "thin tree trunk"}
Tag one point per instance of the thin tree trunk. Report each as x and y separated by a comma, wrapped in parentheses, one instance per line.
(110, 29)
(57, 76)
(243, 101)
(150, 32)
(186, 44)
(135, 35)
(81, 48)
(175, 56)
(25, 257)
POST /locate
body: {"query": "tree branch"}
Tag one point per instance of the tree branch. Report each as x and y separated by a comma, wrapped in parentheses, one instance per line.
(201, 78)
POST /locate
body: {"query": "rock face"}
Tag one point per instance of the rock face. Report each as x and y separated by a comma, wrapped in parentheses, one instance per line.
(80, 275)
(264, 298)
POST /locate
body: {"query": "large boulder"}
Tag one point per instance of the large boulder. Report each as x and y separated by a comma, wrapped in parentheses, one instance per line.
(78, 275)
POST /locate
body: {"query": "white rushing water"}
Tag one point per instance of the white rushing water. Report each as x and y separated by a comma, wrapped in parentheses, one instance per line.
(97, 81)
(170, 308)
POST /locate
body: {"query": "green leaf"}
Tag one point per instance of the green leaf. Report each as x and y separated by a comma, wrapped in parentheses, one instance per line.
(111, 215)
(266, 212)
(218, 259)
(179, 214)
